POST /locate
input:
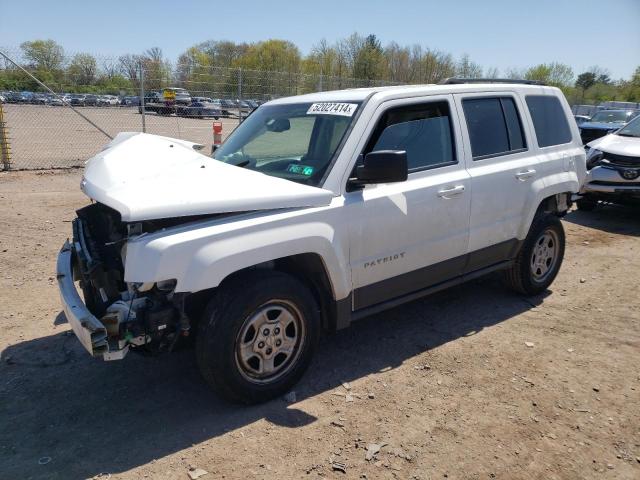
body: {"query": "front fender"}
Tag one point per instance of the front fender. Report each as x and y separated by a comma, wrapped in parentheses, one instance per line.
(200, 258)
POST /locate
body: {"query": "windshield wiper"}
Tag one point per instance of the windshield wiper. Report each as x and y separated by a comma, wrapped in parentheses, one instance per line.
(627, 135)
(241, 164)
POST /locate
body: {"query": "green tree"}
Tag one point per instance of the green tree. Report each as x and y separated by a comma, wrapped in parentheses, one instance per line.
(82, 69)
(43, 54)
(556, 74)
(368, 59)
(468, 69)
(271, 55)
(585, 81)
(129, 66)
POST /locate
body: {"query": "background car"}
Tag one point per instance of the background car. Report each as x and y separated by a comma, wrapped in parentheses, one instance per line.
(77, 100)
(107, 100)
(580, 119)
(225, 106)
(56, 101)
(39, 99)
(613, 165)
(182, 97)
(130, 100)
(91, 100)
(604, 122)
(202, 110)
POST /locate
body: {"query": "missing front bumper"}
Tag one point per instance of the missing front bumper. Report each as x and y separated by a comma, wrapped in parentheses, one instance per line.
(89, 330)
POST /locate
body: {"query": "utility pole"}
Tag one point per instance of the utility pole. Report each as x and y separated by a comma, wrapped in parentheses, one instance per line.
(144, 123)
(239, 95)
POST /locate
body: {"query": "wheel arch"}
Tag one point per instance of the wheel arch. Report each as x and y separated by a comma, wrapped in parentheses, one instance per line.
(308, 268)
(548, 201)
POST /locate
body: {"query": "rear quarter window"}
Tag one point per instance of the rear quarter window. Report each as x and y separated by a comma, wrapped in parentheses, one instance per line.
(549, 120)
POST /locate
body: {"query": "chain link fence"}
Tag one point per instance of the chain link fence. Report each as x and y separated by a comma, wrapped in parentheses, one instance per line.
(39, 130)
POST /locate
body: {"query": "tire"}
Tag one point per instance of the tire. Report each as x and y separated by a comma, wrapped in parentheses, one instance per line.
(247, 327)
(586, 204)
(540, 257)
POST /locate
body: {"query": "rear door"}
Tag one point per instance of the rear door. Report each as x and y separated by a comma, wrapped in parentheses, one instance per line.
(502, 168)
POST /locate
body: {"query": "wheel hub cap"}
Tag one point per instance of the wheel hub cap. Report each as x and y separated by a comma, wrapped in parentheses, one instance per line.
(544, 255)
(269, 341)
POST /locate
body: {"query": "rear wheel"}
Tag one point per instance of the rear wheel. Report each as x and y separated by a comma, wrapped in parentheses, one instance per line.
(257, 336)
(540, 257)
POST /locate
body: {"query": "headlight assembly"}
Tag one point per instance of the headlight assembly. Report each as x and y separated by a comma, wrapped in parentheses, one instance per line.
(593, 157)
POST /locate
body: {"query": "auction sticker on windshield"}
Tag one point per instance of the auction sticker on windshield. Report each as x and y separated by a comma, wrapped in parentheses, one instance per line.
(327, 108)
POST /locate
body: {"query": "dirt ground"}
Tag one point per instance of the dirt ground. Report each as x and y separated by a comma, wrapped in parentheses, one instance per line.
(472, 383)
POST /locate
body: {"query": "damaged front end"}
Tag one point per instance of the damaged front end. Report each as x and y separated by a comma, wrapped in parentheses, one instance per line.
(115, 315)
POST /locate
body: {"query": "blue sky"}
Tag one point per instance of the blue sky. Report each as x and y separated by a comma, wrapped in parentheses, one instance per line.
(495, 33)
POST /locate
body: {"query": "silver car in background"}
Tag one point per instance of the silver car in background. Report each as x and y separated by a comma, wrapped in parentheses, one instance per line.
(613, 165)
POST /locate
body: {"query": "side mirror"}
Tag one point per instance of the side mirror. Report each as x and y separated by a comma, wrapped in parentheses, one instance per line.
(383, 166)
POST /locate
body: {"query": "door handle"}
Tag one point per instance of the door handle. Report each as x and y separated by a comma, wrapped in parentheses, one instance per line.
(451, 192)
(525, 174)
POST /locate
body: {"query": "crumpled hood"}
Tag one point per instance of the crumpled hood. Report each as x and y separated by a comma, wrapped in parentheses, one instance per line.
(628, 146)
(146, 177)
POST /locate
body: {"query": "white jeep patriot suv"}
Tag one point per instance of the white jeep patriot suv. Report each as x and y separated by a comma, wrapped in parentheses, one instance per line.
(316, 211)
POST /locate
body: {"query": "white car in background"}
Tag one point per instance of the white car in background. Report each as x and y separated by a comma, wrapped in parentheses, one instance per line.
(108, 101)
(613, 164)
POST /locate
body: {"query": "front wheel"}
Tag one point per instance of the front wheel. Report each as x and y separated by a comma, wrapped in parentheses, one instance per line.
(540, 257)
(257, 336)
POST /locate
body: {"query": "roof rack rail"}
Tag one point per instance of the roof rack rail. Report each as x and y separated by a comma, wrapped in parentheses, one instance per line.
(458, 81)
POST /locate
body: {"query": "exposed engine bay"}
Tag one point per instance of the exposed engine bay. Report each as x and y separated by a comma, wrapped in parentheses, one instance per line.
(148, 316)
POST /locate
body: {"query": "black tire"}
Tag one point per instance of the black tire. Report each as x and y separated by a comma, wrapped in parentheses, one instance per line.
(228, 322)
(586, 204)
(527, 274)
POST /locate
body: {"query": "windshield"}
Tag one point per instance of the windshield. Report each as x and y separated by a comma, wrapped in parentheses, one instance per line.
(296, 141)
(631, 130)
(611, 116)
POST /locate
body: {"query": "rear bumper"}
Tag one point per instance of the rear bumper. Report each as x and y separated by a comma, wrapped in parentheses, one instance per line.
(89, 330)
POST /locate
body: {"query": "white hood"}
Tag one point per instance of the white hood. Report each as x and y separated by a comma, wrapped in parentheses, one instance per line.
(628, 146)
(146, 177)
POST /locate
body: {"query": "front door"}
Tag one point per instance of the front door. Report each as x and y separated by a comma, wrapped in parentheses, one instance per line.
(410, 235)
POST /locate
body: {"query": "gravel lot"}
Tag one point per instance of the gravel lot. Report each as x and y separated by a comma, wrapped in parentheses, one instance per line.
(472, 383)
(46, 137)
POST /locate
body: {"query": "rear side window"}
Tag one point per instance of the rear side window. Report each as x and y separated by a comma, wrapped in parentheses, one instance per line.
(424, 131)
(494, 126)
(549, 120)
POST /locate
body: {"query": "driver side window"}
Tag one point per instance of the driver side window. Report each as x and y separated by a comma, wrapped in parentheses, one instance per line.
(424, 131)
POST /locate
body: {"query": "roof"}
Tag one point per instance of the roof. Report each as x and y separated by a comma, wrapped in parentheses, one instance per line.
(399, 91)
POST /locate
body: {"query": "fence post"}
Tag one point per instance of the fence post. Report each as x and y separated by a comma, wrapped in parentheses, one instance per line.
(5, 149)
(239, 95)
(144, 124)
